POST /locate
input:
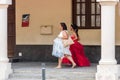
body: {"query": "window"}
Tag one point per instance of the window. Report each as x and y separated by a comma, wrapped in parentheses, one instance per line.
(86, 14)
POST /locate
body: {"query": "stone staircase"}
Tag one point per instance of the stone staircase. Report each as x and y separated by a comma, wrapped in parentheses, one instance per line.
(33, 71)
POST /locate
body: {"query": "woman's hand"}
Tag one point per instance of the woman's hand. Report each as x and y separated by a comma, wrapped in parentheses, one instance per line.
(65, 35)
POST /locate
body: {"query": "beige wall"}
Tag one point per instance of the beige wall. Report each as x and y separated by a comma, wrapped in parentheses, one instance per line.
(42, 12)
(90, 37)
(50, 12)
(117, 37)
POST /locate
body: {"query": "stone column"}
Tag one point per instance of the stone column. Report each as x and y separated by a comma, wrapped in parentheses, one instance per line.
(5, 66)
(107, 68)
(108, 32)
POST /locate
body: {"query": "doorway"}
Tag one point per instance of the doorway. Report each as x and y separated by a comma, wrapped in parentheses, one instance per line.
(11, 30)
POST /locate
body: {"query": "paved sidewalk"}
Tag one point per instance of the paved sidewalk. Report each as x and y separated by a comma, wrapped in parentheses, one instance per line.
(33, 71)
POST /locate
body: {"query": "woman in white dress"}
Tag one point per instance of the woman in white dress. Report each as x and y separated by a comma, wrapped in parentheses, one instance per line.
(59, 50)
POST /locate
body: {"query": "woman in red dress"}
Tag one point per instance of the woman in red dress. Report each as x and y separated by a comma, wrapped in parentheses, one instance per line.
(77, 50)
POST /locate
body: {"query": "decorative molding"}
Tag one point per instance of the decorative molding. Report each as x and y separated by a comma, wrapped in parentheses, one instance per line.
(107, 0)
(108, 3)
(8, 2)
(3, 5)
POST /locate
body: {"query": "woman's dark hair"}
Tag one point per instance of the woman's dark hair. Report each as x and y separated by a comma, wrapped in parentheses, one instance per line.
(63, 25)
(75, 28)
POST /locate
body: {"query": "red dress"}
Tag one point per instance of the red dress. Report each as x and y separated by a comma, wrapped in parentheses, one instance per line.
(78, 54)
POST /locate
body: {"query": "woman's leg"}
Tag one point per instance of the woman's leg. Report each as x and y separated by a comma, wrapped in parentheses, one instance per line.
(59, 63)
(72, 61)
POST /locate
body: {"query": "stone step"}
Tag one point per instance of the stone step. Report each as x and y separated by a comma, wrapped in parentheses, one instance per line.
(55, 79)
(30, 79)
(53, 70)
(56, 75)
(24, 75)
(34, 72)
(51, 74)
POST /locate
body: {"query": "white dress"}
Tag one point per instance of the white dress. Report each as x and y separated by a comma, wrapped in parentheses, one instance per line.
(58, 49)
